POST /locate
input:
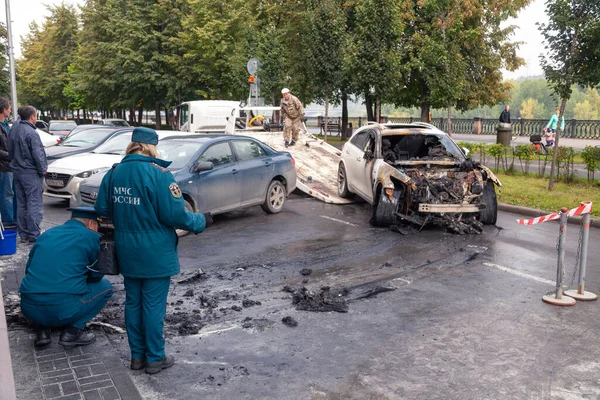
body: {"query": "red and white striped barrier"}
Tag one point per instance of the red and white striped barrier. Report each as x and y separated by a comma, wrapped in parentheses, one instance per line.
(584, 208)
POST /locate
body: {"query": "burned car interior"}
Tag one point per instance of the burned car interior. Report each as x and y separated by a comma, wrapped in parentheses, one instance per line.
(418, 146)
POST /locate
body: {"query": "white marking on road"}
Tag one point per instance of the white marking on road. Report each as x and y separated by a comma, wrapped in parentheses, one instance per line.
(482, 248)
(338, 220)
(403, 280)
(215, 331)
(521, 274)
(205, 362)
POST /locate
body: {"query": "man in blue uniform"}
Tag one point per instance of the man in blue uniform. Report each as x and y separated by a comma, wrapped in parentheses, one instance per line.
(146, 206)
(64, 291)
(29, 165)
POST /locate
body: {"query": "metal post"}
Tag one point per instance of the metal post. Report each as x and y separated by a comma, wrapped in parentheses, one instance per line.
(558, 299)
(580, 293)
(11, 62)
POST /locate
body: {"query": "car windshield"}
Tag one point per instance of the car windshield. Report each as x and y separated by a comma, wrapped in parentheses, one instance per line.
(178, 152)
(116, 123)
(86, 138)
(115, 145)
(423, 146)
(62, 126)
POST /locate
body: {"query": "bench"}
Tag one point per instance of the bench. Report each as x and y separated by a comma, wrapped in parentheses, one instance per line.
(333, 126)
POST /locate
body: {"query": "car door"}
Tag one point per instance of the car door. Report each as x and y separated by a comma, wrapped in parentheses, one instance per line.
(355, 164)
(364, 167)
(217, 190)
(256, 170)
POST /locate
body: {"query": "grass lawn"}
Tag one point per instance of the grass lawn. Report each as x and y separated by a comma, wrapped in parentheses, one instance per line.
(529, 191)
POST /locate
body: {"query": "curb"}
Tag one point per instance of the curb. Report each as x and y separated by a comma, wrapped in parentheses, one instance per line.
(532, 212)
(7, 379)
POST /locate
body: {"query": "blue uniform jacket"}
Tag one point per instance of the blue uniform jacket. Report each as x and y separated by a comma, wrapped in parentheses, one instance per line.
(25, 149)
(147, 208)
(46, 273)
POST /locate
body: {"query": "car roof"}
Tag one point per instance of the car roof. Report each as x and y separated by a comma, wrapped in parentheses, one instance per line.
(62, 120)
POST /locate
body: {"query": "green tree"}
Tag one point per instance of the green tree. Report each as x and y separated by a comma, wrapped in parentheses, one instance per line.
(585, 111)
(326, 41)
(375, 51)
(4, 73)
(569, 35)
(47, 54)
(455, 53)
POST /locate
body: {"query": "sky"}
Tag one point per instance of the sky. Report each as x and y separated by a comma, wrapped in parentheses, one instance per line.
(24, 12)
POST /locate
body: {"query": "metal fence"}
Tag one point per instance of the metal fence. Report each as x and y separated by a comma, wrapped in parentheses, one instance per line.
(579, 129)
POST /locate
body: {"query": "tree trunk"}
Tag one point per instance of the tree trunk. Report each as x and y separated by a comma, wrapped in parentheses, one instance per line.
(344, 115)
(157, 116)
(326, 117)
(369, 105)
(449, 123)
(425, 106)
(132, 116)
(140, 115)
(563, 103)
(377, 110)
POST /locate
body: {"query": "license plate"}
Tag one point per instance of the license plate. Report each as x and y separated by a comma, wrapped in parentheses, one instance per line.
(55, 182)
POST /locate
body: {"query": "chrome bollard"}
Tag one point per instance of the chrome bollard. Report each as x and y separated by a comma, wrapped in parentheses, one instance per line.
(580, 293)
(558, 299)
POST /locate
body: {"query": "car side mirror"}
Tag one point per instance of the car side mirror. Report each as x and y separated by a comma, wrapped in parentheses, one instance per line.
(465, 151)
(202, 166)
(368, 155)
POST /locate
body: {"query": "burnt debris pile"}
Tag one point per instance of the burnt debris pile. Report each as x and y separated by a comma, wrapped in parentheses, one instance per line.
(326, 299)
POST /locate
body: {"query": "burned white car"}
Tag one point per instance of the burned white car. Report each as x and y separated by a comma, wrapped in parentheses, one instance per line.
(414, 174)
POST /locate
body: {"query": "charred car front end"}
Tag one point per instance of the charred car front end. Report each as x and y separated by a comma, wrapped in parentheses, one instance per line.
(419, 176)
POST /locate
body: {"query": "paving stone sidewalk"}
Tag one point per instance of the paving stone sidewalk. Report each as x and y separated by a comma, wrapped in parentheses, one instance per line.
(54, 372)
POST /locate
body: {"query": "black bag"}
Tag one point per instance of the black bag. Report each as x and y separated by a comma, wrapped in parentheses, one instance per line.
(107, 257)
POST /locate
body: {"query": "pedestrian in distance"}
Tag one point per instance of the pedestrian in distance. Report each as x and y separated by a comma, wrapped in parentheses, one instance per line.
(29, 165)
(505, 115)
(550, 129)
(8, 205)
(146, 206)
(293, 116)
(65, 291)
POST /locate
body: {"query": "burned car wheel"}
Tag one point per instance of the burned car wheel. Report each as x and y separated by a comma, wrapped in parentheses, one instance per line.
(343, 183)
(490, 214)
(383, 210)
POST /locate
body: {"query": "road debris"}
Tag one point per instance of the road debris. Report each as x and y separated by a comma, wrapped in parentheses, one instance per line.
(195, 276)
(289, 321)
(327, 299)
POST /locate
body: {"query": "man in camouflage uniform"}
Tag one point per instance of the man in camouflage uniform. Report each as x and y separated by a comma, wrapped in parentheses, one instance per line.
(293, 114)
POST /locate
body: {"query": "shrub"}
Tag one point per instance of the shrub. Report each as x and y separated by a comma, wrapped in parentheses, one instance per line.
(591, 158)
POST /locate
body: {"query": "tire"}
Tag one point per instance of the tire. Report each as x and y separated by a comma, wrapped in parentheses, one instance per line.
(275, 198)
(383, 214)
(343, 190)
(188, 207)
(490, 214)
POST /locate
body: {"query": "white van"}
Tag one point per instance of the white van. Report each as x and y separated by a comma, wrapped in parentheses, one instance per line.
(202, 116)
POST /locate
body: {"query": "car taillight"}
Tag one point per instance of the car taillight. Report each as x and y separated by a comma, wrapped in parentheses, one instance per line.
(293, 162)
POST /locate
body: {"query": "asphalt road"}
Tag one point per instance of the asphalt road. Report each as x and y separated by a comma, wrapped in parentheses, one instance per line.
(464, 320)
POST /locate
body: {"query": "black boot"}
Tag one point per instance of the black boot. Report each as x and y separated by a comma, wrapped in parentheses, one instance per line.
(72, 337)
(42, 337)
(156, 367)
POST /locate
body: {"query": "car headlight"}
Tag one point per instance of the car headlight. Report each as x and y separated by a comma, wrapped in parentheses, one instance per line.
(87, 174)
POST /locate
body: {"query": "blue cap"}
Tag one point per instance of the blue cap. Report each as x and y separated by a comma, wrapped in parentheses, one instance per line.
(84, 212)
(144, 135)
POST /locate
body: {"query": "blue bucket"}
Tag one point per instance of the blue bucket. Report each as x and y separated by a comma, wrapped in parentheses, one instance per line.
(9, 244)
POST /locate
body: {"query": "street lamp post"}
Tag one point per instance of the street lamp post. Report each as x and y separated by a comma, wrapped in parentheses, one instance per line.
(11, 61)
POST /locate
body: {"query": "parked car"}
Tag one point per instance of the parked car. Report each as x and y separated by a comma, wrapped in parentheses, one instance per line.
(83, 141)
(61, 127)
(218, 173)
(113, 122)
(42, 125)
(47, 139)
(422, 178)
(64, 175)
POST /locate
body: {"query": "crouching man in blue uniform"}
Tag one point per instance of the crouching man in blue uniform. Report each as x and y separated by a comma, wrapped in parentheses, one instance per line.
(58, 288)
(146, 206)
